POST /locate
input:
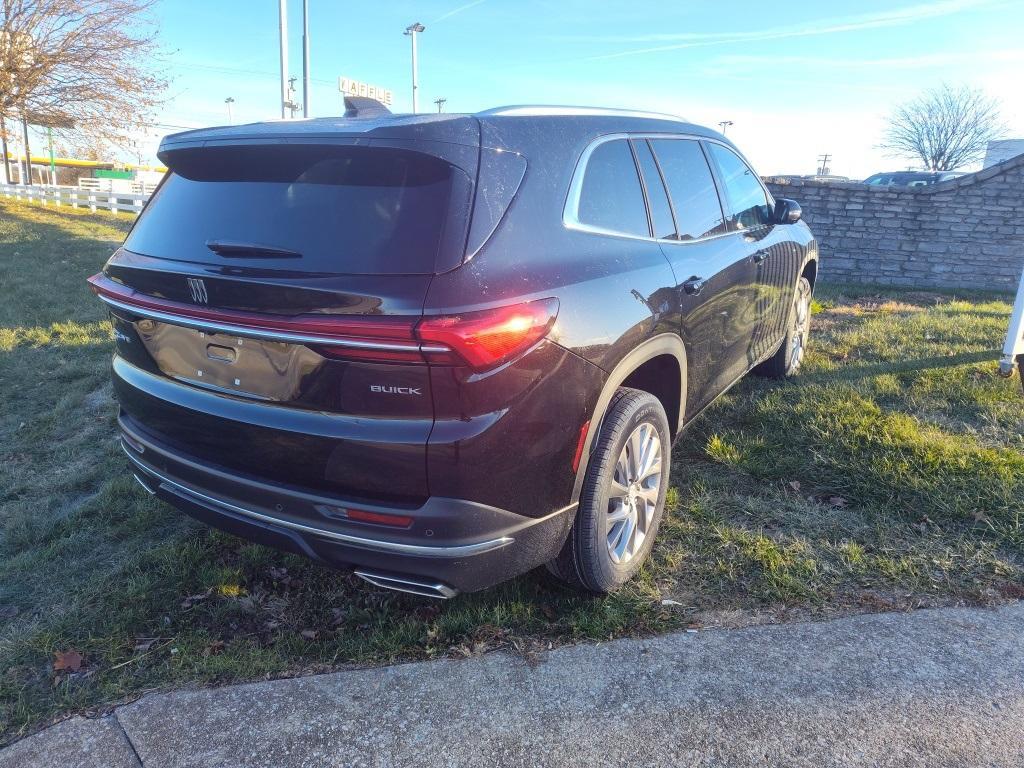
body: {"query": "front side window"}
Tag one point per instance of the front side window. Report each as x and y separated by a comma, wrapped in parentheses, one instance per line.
(611, 198)
(691, 187)
(748, 206)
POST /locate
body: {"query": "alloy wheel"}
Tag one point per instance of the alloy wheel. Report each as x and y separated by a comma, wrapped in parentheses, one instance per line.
(801, 326)
(635, 490)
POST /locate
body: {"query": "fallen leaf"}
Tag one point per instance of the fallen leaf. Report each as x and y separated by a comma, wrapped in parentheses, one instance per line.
(670, 602)
(191, 600)
(309, 634)
(794, 484)
(67, 661)
(143, 644)
(214, 648)
(837, 501)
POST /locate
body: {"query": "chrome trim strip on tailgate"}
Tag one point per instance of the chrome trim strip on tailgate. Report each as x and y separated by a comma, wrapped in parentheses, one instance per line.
(464, 550)
(262, 333)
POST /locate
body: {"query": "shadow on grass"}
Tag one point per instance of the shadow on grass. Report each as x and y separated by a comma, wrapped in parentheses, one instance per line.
(854, 372)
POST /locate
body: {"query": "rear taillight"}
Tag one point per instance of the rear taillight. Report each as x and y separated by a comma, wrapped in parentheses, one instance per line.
(478, 339)
(485, 339)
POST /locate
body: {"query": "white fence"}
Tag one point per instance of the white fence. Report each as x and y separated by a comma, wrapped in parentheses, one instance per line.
(93, 199)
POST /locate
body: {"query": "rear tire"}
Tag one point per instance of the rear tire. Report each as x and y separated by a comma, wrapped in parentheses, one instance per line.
(623, 496)
(790, 354)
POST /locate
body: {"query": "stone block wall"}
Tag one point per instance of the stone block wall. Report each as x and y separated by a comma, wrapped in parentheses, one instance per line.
(964, 233)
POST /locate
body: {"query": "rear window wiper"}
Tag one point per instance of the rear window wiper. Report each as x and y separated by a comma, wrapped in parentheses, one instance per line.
(251, 250)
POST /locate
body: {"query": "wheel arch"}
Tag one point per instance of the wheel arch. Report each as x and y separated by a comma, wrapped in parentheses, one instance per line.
(638, 369)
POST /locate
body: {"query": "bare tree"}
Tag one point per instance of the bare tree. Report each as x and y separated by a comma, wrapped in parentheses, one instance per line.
(84, 66)
(945, 128)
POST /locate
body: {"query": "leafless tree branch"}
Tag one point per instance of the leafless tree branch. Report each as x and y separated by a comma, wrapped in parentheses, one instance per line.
(945, 128)
(90, 64)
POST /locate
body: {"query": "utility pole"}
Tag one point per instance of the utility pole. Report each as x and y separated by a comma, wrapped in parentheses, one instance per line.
(412, 30)
(290, 103)
(229, 101)
(823, 168)
(440, 103)
(28, 153)
(3, 146)
(305, 58)
(282, 25)
(53, 162)
(725, 124)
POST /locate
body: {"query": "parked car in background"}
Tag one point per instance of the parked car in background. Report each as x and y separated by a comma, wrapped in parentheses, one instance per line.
(441, 350)
(910, 178)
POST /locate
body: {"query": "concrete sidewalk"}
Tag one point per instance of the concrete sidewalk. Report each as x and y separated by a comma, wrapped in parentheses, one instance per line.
(932, 688)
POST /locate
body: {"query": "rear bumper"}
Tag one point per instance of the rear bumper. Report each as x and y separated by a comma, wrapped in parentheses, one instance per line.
(451, 546)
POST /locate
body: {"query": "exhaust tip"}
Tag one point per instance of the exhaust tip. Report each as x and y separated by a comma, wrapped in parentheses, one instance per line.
(410, 584)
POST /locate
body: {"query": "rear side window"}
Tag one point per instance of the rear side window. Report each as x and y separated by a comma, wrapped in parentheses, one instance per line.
(657, 200)
(691, 187)
(611, 198)
(352, 210)
(747, 201)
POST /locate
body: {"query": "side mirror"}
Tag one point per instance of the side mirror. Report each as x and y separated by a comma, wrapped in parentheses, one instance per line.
(787, 211)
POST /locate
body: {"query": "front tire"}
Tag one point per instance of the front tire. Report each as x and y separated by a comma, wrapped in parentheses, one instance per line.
(786, 361)
(623, 496)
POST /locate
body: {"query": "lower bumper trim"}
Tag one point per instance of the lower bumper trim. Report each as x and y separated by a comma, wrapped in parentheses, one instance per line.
(418, 550)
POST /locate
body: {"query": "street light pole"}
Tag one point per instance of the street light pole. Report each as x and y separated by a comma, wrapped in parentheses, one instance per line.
(229, 101)
(725, 124)
(305, 58)
(412, 30)
(283, 29)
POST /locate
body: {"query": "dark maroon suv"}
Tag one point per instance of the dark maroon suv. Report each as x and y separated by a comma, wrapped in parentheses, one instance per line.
(442, 350)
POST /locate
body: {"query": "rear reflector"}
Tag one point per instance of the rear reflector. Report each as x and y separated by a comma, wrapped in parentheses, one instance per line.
(478, 339)
(378, 518)
(579, 446)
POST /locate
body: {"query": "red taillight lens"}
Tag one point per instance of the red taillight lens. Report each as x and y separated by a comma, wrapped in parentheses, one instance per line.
(484, 339)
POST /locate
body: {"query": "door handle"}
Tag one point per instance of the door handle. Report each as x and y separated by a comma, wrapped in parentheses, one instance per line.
(694, 286)
(760, 256)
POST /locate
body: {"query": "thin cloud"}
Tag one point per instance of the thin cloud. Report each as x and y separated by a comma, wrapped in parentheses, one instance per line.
(454, 11)
(890, 18)
(815, 63)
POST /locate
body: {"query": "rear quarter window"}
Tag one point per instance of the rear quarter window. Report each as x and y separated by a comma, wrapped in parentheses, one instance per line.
(353, 210)
(611, 198)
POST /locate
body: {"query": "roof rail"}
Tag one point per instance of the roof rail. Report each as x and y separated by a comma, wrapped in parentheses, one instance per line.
(550, 110)
(364, 106)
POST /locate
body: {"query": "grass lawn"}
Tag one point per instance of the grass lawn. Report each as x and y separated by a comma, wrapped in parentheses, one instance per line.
(889, 475)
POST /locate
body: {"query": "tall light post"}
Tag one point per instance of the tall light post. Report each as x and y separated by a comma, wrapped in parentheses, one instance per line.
(412, 30)
(725, 124)
(305, 58)
(229, 101)
(282, 24)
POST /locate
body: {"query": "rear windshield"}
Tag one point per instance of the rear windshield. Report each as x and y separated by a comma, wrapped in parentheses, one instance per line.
(354, 210)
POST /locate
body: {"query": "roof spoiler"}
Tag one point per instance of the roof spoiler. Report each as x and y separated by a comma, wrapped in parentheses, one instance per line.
(363, 106)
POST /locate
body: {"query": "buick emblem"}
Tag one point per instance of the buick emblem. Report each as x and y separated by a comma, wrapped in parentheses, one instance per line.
(198, 290)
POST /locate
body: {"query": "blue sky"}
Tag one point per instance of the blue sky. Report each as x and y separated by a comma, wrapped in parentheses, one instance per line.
(797, 78)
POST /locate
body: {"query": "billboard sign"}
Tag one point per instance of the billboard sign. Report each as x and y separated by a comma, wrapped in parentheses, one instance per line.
(351, 87)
